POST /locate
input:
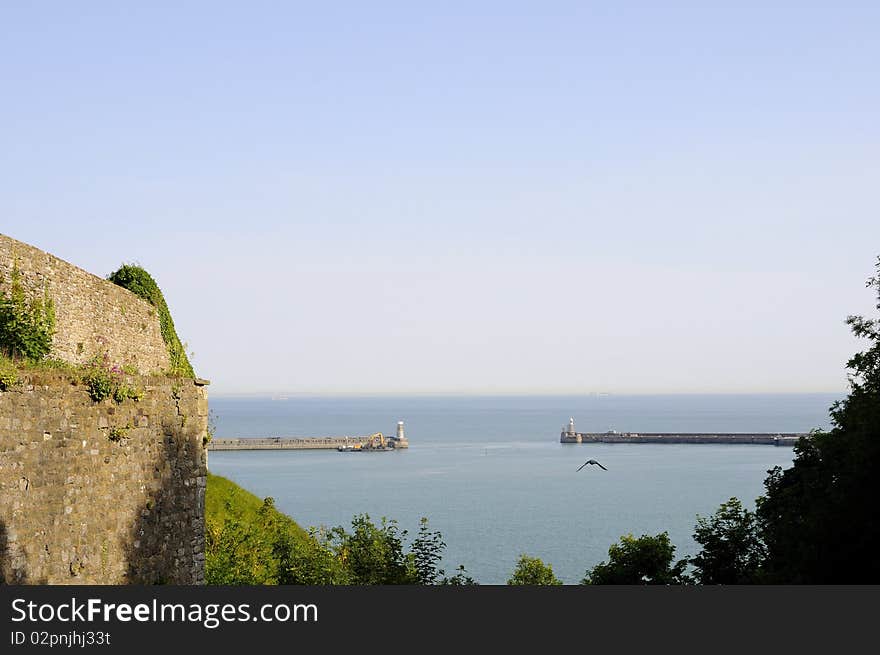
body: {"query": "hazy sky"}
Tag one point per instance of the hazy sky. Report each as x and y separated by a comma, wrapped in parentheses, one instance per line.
(462, 196)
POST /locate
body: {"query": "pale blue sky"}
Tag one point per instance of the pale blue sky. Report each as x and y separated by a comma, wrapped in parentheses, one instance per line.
(462, 196)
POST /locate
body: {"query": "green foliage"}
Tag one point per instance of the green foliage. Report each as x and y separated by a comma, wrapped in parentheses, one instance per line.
(52, 365)
(104, 380)
(646, 560)
(460, 579)
(26, 326)
(427, 551)
(309, 561)
(238, 552)
(99, 383)
(425, 554)
(532, 571)
(124, 391)
(119, 393)
(8, 373)
(373, 554)
(249, 542)
(44, 371)
(117, 434)
(138, 281)
(819, 518)
(243, 536)
(733, 549)
(424, 557)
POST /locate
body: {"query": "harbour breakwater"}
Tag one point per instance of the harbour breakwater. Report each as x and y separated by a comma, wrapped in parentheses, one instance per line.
(569, 435)
(398, 441)
(293, 443)
(771, 439)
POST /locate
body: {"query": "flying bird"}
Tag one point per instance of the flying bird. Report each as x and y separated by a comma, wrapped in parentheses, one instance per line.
(592, 461)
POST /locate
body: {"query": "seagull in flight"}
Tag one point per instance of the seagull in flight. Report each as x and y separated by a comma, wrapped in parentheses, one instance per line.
(592, 461)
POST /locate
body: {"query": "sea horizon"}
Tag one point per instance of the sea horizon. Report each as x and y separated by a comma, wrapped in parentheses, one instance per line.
(490, 394)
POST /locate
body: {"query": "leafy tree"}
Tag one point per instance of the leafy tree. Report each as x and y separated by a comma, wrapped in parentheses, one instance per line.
(532, 571)
(819, 518)
(424, 557)
(645, 560)
(373, 554)
(427, 551)
(733, 549)
(460, 579)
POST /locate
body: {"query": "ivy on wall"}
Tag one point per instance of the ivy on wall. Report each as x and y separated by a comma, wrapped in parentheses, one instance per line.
(138, 281)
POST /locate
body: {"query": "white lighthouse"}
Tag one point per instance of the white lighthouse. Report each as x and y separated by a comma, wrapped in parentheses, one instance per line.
(400, 440)
(568, 434)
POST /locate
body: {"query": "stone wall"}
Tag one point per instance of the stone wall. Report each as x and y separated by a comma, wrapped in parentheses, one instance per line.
(93, 316)
(102, 493)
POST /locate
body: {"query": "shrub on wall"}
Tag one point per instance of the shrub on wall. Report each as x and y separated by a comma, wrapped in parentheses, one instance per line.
(8, 373)
(26, 326)
(138, 281)
(98, 383)
(104, 380)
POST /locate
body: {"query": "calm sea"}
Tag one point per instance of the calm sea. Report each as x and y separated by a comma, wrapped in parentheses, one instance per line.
(490, 474)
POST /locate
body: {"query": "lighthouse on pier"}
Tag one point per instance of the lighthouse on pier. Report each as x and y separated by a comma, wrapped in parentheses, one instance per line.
(399, 440)
(569, 435)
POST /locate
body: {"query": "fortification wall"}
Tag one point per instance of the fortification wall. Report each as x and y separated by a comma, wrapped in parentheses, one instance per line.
(93, 316)
(102, 493)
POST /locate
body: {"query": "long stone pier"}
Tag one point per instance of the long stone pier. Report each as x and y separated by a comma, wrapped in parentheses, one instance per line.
(297, 443)
(767, 438)
(569, 435)
(279, 443)
(396, 442)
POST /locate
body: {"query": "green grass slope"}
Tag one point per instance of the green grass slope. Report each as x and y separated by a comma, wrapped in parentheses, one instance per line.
(247, 540)
(226, 500)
